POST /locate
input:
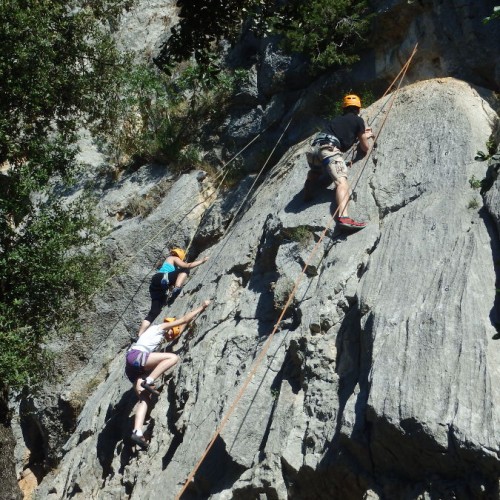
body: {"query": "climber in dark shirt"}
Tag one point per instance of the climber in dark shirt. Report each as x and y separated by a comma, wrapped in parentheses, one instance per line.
(325, 155)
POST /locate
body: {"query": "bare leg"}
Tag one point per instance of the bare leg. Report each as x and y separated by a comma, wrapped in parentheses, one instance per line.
(342, 196)
(160, 362)
(181, 279)
(142, 408)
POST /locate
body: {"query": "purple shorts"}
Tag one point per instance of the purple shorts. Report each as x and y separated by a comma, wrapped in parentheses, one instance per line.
(135, 361)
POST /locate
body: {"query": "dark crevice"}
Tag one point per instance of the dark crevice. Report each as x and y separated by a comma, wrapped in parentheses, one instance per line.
(217, 472)
(490, 178)
(243, 272)
(383, 212)
(491, 225)
(75, 490)
(268, 246)
(267, 431)
(35, 440)
(293, 365)
(111, 438)
(84, 435)
(292, 372)
(175, 410)
(370, 250)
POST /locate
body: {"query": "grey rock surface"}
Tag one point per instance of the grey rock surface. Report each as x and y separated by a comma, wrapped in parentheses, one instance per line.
(145, 26)
(382, 380)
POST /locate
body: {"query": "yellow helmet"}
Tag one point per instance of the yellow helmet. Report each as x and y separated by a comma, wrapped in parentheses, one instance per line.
(179, 252)
(351, 100)
(176, 330)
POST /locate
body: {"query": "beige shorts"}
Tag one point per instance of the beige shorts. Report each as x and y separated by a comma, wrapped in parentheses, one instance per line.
(329, 159)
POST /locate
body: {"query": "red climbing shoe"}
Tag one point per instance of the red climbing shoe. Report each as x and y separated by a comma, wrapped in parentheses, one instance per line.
(150, 388)
(349, 223)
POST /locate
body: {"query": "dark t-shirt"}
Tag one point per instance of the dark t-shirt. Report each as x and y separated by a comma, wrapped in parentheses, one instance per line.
(346, 128)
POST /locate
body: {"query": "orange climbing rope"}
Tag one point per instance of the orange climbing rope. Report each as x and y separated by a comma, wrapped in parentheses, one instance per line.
(267, 343)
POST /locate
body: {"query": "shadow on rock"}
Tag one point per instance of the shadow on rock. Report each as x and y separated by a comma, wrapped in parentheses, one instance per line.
(117, 427)
(319, 195)
(491, 227)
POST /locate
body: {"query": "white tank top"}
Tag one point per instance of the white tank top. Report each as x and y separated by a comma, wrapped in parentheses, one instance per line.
(150, 339)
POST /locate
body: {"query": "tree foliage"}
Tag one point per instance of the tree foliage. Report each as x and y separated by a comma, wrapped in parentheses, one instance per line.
(205, 23)
(57, 68)
(494, 15)
(159, 116)
(329, 32)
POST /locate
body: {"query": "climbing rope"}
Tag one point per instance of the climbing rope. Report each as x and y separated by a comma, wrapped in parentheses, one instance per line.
(267, 343)
(224, 170)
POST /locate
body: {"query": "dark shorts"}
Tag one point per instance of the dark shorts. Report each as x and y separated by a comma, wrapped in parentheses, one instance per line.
(134, 366)
(158, 291)
(161, 281)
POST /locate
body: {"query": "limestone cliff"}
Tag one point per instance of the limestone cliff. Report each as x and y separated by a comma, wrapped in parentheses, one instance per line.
(383, 379)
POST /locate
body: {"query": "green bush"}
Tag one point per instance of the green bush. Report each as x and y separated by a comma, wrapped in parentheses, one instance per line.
(301, 234)
(474, 183)
(329, 32)
(159, 117)
(54, 264)
(473, 204)
(57, 68)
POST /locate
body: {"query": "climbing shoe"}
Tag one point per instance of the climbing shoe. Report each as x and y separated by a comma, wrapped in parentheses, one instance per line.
(149, 387)
(174, 294)
(349, 223)
(139, 441)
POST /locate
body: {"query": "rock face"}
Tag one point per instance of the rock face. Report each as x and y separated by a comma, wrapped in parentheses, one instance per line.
(453, 40)
(145, 25)
(383, 379)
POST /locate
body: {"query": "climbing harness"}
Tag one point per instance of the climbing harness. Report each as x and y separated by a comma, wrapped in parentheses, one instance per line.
(323, 139)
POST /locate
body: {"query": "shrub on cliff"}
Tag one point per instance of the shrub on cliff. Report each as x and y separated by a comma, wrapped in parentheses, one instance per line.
(329, 32)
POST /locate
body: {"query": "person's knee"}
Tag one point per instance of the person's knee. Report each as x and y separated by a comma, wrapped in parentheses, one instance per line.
(342, 182)
(170, 359)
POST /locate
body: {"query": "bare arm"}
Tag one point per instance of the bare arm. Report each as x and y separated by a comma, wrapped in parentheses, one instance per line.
(188, 265)
(363, 139)
(187, 318)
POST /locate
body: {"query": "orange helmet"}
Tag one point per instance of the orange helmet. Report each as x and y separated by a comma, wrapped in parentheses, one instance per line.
(351, 100)
(179, 252)
(176, 330)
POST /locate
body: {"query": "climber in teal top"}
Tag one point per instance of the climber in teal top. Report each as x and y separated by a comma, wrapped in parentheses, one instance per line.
(172, 273)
